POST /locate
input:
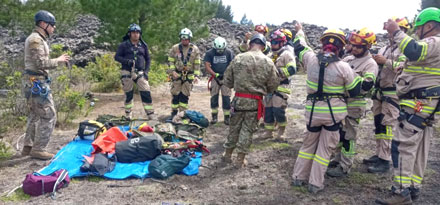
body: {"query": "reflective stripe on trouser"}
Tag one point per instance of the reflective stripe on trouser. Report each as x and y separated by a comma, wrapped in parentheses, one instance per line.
(274, 111)
(226, 104)
(314, 156)
(128, 87)
(385, 127)
(180, 102)
(409, 152)
(40, 123)
(242, 126)
(345, 153)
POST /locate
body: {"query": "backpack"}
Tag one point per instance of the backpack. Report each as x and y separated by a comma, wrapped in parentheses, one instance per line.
(165, 166)
(35, 184)
(197, 117)
(139, 149)
(90, 127)
(165, 130)
(190, 131)
(102, 163)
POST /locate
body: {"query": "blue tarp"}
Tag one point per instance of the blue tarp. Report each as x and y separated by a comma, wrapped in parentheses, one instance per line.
(71, 157)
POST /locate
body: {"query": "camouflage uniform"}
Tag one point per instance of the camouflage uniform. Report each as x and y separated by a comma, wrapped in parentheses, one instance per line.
(276, 102)
(185, 61)
(250, 73)
(42, 114)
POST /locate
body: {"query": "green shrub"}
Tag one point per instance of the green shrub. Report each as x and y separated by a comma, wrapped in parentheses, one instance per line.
(157, 74)
(104, 73)
(5, 151)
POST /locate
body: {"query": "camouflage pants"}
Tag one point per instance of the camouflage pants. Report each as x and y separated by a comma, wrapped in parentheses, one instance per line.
(41, 121)
(242, 126)
(128, 82)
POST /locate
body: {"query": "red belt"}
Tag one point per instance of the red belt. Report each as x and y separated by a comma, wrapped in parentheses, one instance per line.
(256, 97)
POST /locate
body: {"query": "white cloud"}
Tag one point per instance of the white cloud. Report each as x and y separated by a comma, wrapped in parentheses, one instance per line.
(350, 14)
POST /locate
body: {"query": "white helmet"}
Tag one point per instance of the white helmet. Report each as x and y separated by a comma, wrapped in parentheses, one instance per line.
(219, 43)
(186, 32)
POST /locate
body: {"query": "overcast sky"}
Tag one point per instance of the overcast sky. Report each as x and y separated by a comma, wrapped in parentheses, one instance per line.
(352, 14)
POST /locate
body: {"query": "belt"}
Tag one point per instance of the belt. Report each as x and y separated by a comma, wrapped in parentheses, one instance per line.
(31, 72)
(422, 93)
(256, 97)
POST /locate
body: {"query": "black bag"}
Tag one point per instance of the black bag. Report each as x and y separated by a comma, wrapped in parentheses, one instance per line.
(90, 127)
(101, 164)
(139, 149)
(165, 166)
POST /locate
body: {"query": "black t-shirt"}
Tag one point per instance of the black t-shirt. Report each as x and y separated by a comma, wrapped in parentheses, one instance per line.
(219, 62)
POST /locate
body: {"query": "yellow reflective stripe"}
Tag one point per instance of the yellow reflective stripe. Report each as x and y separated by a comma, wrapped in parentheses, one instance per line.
(129, 106)
(383, 136)
(389, 92)
(396, 64)
(326, 109)
(353, 84)
(174, 106)
(403, 180)
(357, 103)
(214, 110)
(404, 43)
(171, 59)
(283, 89)
(370, 75)
(412, 104)
(226, 112)
(197, 61)
(351, 150)
(282, 124)
(389, 131)
(416, 179)
(190, 76)
(148, 107)
(197, 72)
(306, 155)
(269, 126)
(321, 160)
(326, 89)
(285, 71)
(401, 58)
(425, 70)
(184, 105)
(424, 50)
(301, 54)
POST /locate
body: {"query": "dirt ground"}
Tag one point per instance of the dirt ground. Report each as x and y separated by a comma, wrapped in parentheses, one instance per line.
(266, 180)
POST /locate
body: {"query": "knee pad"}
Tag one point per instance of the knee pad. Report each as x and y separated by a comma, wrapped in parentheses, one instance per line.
(129, 96)
(146, 96)
(214, 101)
(314, 129)
(395, 153)
(226, 102)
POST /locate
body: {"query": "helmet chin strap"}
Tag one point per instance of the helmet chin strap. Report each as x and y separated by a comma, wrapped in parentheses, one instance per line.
(45, 29)
(422, 35)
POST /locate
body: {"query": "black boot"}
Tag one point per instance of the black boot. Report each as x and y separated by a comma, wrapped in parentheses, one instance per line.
(404, 197)
(381, 166)
(226, 121)
(415, 193)
(372, 160)
(173, 113)
(214, 118)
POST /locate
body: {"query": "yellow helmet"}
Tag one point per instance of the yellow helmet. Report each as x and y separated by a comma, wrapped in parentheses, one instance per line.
(287, 32)
(330, 35)
(364, 36)
(402, 22)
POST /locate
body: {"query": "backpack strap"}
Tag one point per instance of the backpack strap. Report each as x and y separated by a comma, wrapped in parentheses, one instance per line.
(61, 178)
(185, 60)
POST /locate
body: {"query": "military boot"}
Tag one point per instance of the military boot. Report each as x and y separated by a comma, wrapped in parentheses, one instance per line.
(227, 156)
(241, 162)
(26, 150)
(267, 134)
(214, 118)
(404, 197)
(280, 135)
(381, 166)
(336, 172)
(226, 121)
(41, 155)
(372, 160)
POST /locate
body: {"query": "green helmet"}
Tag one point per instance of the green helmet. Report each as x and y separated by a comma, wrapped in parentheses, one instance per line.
(426, 15)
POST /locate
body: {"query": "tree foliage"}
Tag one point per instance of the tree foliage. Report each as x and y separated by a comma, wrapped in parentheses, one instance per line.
(245, 21)
(160, 20)
(224, 12)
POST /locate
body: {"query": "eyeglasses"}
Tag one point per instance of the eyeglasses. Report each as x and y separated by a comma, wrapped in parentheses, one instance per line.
(355, 39)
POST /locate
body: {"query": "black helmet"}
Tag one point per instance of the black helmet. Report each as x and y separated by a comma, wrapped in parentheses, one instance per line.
(259, 39)
(134, 27)
(45, 16)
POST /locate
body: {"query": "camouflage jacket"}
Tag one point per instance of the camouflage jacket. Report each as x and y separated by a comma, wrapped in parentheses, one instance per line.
(36, 53)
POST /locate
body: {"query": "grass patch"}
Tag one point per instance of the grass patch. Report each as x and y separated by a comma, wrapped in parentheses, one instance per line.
(274, 145)
(17, 196)
(74, 181)
(301, 189)
(337, 200)
(95, 179)
(295, 117)
(5, 151)
(429, 173)
(362, 178)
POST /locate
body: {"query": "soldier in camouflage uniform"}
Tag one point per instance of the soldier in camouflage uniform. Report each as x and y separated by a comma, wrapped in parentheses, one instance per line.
(36, 81)
(252, 75)
(184, 68)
